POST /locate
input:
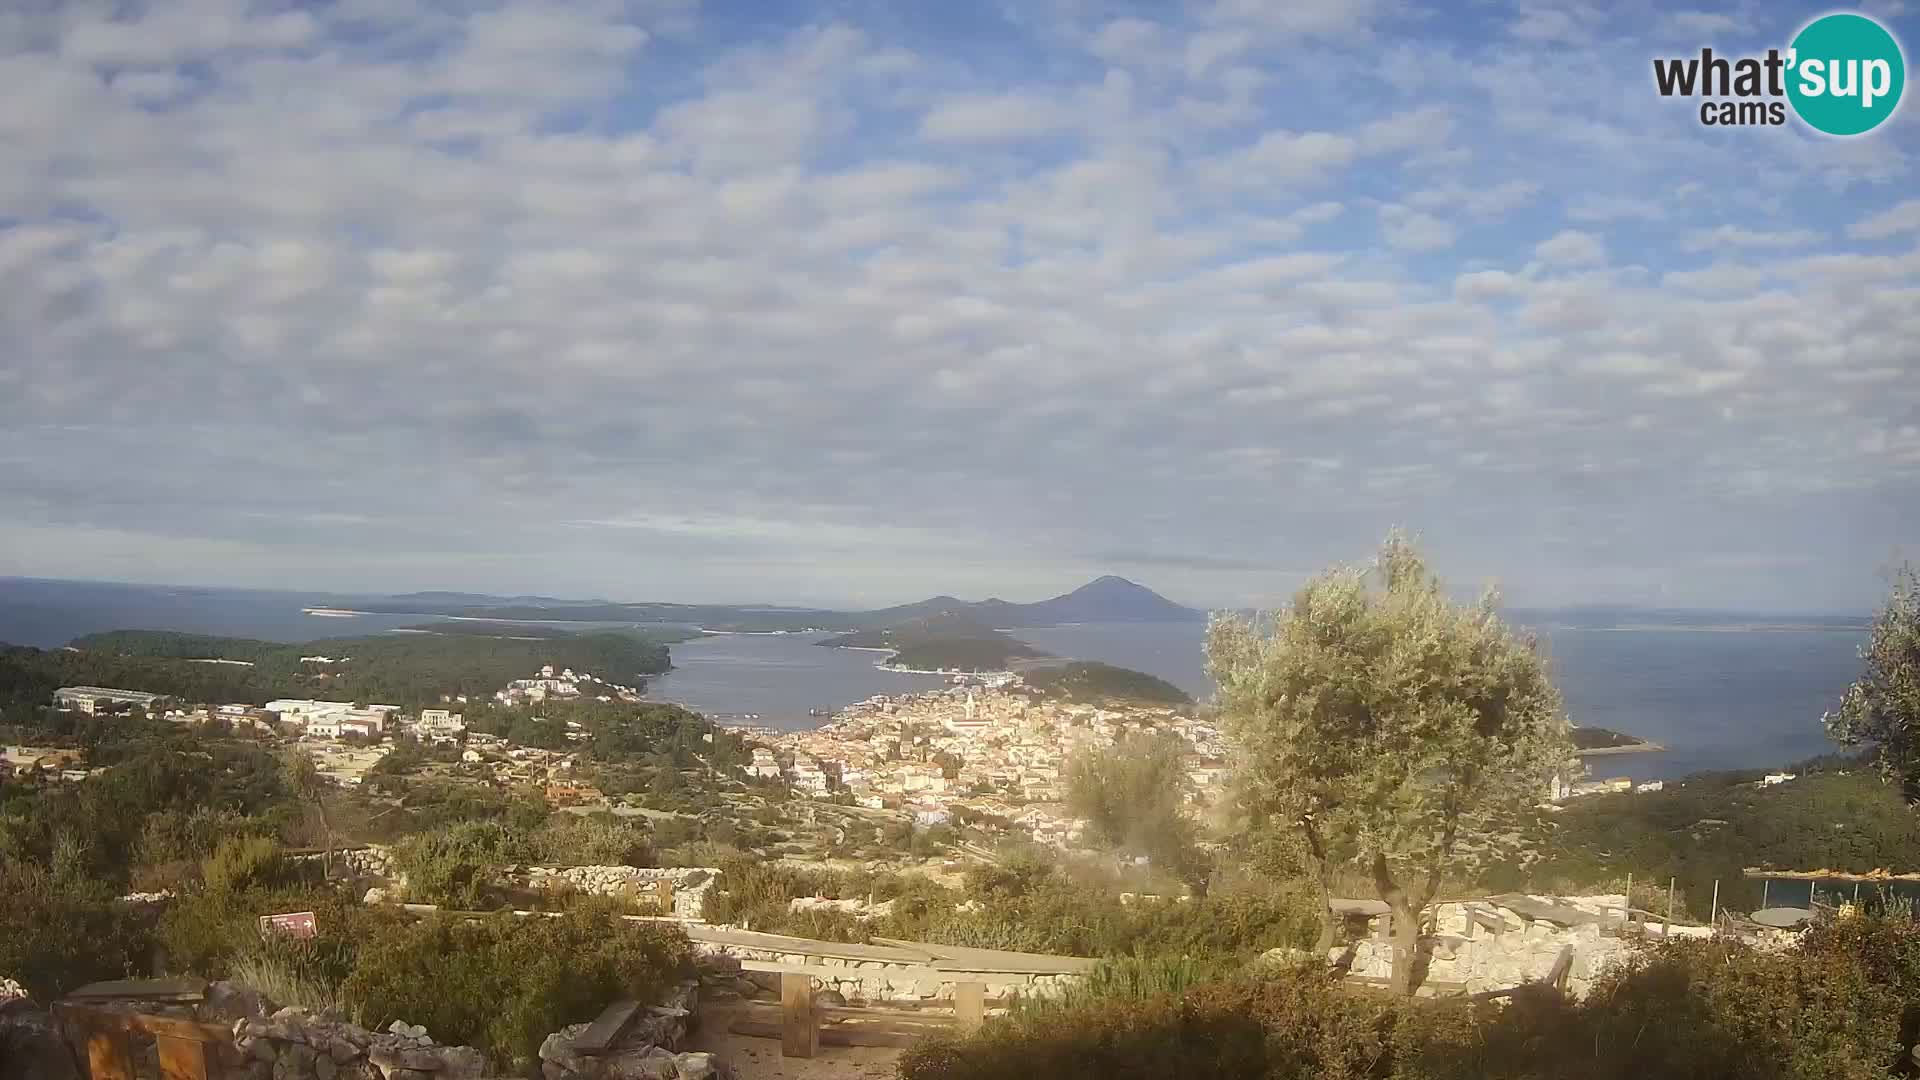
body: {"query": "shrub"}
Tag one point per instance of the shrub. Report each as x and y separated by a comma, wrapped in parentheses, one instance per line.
(502, 983)
(58, 933)
(208, 931)
(601, 840)
(455, 866)
(1132, 978)
(243, 862)
(1830, 1010)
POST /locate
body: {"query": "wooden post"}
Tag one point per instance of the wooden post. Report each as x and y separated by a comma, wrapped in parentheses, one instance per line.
(109, 1057)
(664, 888)
(1667, 932)
(181, 1058)
(969, 1005)
(1764, 883)
(1626, 906)
(799, 1028)
(1715, 916)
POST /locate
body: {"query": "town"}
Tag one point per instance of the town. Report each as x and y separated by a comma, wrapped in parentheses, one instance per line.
(988, 748)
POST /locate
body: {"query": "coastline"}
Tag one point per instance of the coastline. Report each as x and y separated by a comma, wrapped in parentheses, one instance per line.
(1635, 748)
(884, 666)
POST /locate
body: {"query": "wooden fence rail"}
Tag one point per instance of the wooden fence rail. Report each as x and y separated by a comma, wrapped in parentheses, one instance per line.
(804, 1026)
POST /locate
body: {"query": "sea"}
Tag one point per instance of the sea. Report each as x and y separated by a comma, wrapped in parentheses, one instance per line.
(1719, 692)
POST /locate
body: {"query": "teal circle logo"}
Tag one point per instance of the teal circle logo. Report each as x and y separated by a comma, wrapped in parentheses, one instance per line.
(1845, 74)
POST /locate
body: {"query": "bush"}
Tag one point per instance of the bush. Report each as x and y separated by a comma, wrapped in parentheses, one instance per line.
(1023, 904)
(209, 931)
(58, 933)
(600, 840)
(1829, 1010)
(502, 983)
(243, 862)
(455, 867)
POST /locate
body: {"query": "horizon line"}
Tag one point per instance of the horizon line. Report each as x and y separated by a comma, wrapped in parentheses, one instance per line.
(1587, 605)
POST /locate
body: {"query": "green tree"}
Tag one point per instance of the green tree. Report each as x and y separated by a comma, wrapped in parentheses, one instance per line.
(1131, 795)
(1385, 724)
(305, 782)
(1883, 707)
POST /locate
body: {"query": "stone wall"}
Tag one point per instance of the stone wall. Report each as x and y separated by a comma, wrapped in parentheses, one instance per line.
(372, 861)
(291, 1045)
(875, 981)
(1524, 950)
(690, 884)
(855, 907)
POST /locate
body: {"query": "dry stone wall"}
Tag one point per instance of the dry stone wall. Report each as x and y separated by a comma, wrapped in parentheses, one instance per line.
(1523, 950)
(371, 861)
(866, 981)
(690, 884)
(291, 1045)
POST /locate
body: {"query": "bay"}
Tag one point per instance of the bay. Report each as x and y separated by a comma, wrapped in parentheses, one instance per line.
(776, 680)
(1721, 695)
(1716, 697)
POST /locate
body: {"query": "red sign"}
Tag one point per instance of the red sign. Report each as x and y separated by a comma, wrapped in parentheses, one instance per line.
(297, 924)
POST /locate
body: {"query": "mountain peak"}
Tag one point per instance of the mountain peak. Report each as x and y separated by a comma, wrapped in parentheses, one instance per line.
(1108, 598)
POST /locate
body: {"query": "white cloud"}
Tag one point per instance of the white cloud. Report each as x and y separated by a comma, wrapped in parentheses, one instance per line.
(1284, 158)
(1425, 127)
(692, 309)
(1904, 217)
(1480, 201)
(1689, 25)
(1484, 285)
(1599, 209)
(1571, 247)
(1739, 238)
(994, 117)
(1412, 230)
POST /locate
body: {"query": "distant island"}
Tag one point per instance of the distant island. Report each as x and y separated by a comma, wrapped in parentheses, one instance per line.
(1104, 599)
(945, 641)
(1599, 740)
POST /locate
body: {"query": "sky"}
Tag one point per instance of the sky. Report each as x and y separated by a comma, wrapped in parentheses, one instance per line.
(852, 303)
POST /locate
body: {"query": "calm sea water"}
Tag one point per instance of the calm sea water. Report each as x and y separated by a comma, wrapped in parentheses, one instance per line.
(1717, 698)
(775, 680)
(48, 614)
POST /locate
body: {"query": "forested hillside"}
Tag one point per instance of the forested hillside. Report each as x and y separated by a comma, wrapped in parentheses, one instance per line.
(1093, 683)
(400, 669)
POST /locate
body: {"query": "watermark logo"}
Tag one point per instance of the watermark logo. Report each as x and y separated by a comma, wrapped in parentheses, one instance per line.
(1843, 74)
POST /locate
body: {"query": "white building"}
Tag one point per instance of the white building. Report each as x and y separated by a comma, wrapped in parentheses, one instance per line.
(303, 711)
(764, 766)
(439, 725)
(86, 699)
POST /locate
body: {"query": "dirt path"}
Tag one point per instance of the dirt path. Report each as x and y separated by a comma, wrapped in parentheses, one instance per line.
(759, 1059)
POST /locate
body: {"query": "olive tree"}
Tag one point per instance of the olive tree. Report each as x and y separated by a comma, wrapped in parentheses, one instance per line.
(1132, 795)
(1386, 725)
(1883, 707)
